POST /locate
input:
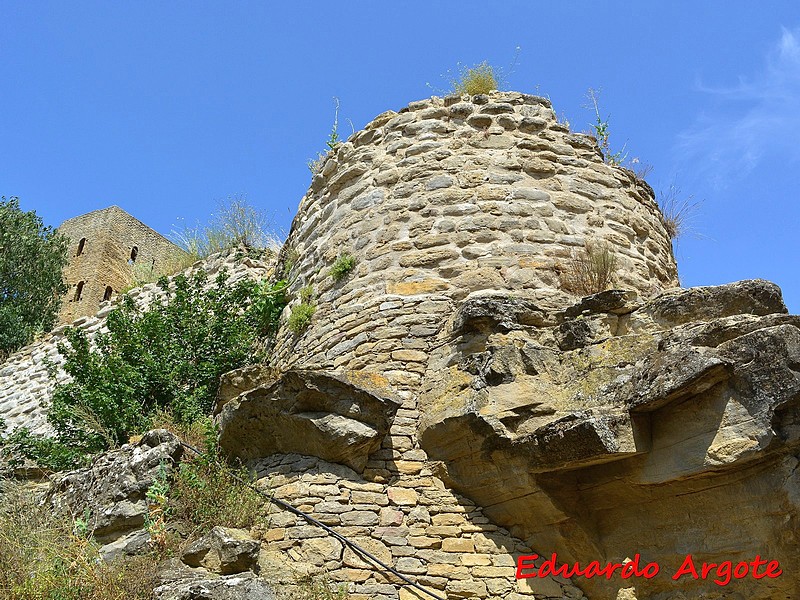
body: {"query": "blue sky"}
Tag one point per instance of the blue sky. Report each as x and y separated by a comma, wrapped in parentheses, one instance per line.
(166, 108)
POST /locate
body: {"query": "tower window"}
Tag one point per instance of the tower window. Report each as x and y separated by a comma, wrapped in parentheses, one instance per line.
(78, 291)
(107, 294)
(81, 244)
(134, 254)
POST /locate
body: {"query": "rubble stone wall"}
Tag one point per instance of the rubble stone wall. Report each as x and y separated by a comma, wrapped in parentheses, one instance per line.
(449, 197)
(25, 384)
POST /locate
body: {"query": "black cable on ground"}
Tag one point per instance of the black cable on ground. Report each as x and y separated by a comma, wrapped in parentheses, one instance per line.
(356, 548)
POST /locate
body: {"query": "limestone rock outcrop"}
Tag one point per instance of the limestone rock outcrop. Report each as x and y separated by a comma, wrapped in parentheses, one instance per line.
(670, 417)
(111, 494)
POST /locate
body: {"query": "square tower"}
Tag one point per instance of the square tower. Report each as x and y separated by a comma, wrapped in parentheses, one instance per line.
(105, 247)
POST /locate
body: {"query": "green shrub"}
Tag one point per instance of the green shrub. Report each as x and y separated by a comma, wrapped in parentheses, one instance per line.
(32, 257)
(479, 79)
(300, 318)
(342, 266)
(169, 356)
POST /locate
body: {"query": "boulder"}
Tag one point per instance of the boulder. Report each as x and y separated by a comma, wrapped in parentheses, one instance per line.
(223, 550)
(338, 416)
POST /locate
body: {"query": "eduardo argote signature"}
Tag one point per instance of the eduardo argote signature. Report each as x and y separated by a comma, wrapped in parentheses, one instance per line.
(722, 573)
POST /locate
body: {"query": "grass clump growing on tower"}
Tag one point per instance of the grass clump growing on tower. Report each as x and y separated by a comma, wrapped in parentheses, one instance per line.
(342, 267)
(478, 79)
(677, 211)
(300, 317)
(590, 270)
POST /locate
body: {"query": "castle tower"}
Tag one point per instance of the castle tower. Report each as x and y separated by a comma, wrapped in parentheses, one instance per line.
(106, 246)
(454, 196)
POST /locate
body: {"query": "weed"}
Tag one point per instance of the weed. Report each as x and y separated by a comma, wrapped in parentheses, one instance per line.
(677, 210)
(342, 266)
(44, 556)
(290, 261)
(602, 133)
(640, 170)
(237, 223)
(481, 78)
(207, 492)
(306, 295)
(333, 142)
(300, 318)
(157, 509)
(590, 270)
(478, 79)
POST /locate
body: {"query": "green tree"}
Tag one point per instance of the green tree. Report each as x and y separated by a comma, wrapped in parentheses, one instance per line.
(32, 258)
(168, 356)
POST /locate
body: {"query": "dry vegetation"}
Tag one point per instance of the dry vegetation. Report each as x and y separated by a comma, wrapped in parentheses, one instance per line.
(678, 211)
(590, 270)
(43, 556)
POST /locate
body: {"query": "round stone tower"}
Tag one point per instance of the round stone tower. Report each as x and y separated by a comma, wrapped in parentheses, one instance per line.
(449, 197)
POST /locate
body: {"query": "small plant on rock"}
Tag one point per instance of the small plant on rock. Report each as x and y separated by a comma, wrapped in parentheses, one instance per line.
(677, 211)
(478, 79)
(342, 266)
(157, 509)
(300, 317)
(602, 133)
(481, 78)
(315, 164)
(208, 492)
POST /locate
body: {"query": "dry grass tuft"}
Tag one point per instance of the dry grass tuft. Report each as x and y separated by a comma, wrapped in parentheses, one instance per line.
(480, 79)
(590, 270)
(678, 211)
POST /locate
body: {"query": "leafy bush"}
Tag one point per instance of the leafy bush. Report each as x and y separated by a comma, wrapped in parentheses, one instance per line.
(590, 270)
(479, 79)
(168, 356)
(32, 258)
(342, 266)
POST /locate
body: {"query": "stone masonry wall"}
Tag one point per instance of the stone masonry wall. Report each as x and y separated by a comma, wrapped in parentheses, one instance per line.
(110, 236)
(450, 197)
(436, 538)
(25, 386)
